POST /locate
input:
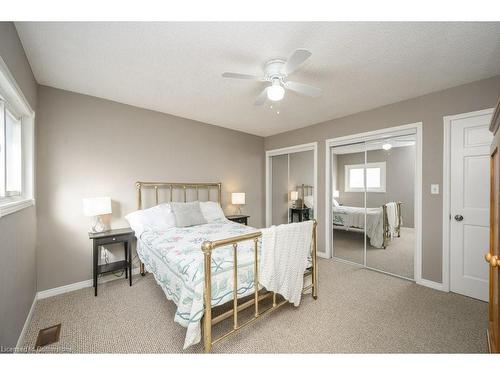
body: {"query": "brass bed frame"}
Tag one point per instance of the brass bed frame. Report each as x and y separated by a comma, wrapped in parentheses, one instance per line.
(387, 231)
(209, 246)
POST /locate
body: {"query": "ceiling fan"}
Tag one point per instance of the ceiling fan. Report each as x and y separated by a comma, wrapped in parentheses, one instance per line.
(276, 72)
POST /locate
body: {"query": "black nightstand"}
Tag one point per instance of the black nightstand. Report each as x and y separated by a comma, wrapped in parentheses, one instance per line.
(302, 214)
(242, 219)
(123, 235)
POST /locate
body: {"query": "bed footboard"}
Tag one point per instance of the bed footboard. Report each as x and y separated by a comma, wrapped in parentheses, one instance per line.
(209, 321)
(386, 229)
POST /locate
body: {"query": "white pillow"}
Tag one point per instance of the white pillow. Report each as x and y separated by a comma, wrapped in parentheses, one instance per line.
(335, 203)
(211, 211)
(309, 201)
(187, 214)
(157, 218)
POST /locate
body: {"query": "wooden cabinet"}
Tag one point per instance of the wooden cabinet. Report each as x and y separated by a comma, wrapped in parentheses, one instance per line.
(493, 256)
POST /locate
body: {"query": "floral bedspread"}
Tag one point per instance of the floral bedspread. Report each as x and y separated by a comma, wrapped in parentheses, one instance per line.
(175, 259)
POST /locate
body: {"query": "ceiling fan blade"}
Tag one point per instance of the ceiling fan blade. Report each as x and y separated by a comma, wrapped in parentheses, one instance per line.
(240, 76)
(261, 99)
(304, 89)
(297, 59)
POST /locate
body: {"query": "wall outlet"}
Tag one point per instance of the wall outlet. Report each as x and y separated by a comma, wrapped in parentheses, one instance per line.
(434, 188)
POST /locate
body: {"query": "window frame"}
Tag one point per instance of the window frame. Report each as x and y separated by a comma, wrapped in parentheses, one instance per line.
(5, 110)
(15, 102)
(347, 183)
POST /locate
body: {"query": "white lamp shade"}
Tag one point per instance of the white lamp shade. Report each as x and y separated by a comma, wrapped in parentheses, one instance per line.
(238, 198)
(336, 194)
(294, 195)
(96, 206)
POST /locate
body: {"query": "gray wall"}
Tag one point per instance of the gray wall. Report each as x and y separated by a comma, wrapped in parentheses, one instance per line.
(400, 180)
(301, 169)
(91, 147)
(428, 109)
(17, 230)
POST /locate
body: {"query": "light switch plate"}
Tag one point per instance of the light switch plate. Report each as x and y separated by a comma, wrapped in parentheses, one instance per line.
(434, 188)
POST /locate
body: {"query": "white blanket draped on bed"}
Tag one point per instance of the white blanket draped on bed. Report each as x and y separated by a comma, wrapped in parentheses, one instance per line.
(392, 217)
(284, 254)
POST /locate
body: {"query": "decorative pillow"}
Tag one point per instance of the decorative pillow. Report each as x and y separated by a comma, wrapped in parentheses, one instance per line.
(187, 214)
(335, 203)
(309, 201)
(157, 218)
(211, 211)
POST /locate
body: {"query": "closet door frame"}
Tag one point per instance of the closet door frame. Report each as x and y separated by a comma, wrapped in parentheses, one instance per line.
(415, 128)
(286, 151)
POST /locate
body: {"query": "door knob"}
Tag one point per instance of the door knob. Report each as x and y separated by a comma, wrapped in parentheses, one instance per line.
(492, 260)
(459, 217)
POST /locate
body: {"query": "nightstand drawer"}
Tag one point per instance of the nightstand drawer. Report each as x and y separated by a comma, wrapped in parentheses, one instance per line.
(112, 239)
(240, 219)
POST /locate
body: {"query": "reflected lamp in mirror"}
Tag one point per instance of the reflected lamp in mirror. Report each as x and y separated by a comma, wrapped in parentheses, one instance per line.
(336, 194)
(238, 199)
(294, 197)
(95, 207)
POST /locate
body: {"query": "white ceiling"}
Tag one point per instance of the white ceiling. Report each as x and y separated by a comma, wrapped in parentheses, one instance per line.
(176, 67)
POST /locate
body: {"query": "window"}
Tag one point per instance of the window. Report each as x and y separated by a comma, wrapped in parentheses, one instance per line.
(355, 177)
(10, 154)
(17, 121)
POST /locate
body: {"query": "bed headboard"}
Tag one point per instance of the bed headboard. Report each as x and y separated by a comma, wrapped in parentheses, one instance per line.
(171, 187)
(304, 191)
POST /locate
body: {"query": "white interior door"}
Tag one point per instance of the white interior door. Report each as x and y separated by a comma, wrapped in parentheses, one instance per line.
(469, 205)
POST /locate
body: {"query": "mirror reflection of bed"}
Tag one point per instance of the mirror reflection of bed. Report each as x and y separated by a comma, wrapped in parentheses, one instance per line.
(373, 204)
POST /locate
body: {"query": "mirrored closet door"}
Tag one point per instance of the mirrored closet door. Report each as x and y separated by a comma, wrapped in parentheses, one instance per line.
(280, 202)
(390, 192)
(373, 193)
(348, 202)
(292, 190)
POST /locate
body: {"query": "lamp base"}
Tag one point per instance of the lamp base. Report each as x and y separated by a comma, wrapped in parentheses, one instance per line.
(238, 209)
(98, 225)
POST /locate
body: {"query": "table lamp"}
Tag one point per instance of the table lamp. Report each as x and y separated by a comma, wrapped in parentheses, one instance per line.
(94, 207)
(294, 196)
(238, 199)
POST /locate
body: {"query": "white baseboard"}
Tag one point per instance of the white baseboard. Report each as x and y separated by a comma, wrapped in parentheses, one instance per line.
(26, 323)
(79, 285)
(61, 290)
(432, 284)
(322, 254)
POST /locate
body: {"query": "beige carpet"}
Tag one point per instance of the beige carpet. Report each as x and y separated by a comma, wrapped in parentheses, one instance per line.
(358, 311)
(397, 258)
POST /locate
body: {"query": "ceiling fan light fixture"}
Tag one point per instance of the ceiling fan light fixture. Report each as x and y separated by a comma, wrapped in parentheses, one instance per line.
(276, 92)
(276, 72)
